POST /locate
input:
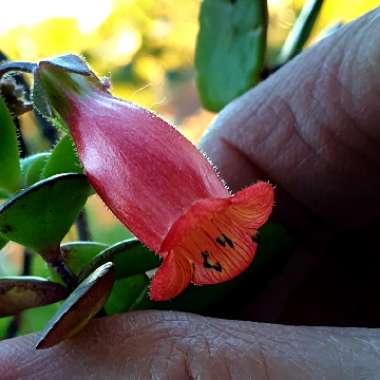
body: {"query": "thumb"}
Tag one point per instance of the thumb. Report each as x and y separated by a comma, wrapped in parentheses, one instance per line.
(312, 128)
(168, 345)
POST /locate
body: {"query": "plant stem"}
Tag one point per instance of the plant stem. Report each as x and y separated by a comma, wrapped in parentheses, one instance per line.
(27, 263)
(82, 226)
(14, 324)
(54, 259)
(65, 273)
(26, 67)
(13, 327)
(301, 30)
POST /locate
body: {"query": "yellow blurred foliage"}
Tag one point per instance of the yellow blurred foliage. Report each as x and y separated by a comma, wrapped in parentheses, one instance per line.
(141, 42)
(284, 12)
(342, 10)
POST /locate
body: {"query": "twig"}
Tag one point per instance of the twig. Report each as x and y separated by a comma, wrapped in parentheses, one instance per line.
(65, 273)
(13, 327)
(82, 226)
(301, 31)
(14, 324)
(27, 263)
(26, 67)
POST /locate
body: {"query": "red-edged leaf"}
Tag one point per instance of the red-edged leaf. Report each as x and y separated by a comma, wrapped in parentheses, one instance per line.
(20, 293)
(82, 305)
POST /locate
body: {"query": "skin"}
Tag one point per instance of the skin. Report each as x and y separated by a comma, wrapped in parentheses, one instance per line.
(313, 130)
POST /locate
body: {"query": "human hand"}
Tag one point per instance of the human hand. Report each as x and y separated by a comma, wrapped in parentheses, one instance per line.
(169, 345)
(312, 128)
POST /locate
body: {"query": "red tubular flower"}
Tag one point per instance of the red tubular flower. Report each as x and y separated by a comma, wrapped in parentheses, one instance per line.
(156, 182)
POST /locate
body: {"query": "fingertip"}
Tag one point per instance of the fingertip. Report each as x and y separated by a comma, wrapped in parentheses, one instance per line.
(312, 129)
(234, 167)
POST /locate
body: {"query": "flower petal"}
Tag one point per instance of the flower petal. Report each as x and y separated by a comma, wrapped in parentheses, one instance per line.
(252, 206)
(172, 278)
(219, 250)
(215, 235)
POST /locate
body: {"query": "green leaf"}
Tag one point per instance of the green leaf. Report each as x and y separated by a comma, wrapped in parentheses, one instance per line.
(79, 254)
(77, 310)
(31, 168)
(39, 267)
(4, 194)
(69, 62)
(4, 323)
(129, 256)
(40, 103)
(125, 292)
(301, 31)
(76, 255)
(40, 216)
(230, 49)
(46, 88)
(143, 302)
(23, 292)
(63, 159)
(3, 242)
(35, 319)
(9, 157)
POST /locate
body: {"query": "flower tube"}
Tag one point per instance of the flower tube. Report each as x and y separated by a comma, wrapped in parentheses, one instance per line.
(155, 181)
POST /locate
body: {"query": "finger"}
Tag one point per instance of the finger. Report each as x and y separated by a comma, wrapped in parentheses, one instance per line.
(312, 128)
(180, 346)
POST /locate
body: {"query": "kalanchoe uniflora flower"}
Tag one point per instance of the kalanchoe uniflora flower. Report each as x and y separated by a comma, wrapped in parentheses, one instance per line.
(155, 181)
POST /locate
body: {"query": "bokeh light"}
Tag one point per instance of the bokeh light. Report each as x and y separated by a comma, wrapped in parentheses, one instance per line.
(146, 45)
